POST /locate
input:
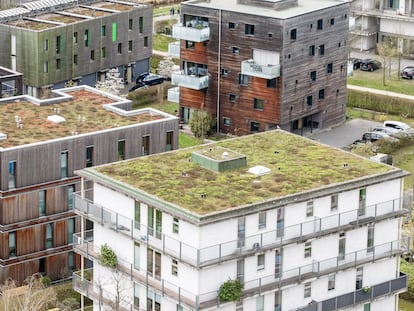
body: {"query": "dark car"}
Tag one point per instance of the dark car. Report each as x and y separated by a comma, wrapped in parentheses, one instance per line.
(370, 65)
(153, 79)
(136, 87)
(141, 77)
(356, 62)
(407, 72)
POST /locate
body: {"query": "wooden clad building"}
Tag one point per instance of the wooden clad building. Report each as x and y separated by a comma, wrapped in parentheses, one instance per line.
(258, 65)
(42, 144)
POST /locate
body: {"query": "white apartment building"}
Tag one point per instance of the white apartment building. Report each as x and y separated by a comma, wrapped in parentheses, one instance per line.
(302, 225)
(376, 20)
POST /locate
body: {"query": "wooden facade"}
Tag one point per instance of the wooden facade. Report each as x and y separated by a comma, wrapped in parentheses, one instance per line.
(293, 100)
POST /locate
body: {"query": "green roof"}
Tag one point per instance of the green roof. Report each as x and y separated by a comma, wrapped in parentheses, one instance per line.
(297, 164)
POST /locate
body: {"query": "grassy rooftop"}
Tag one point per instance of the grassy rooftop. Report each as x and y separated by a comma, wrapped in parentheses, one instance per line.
(83, 114)
(297, 164)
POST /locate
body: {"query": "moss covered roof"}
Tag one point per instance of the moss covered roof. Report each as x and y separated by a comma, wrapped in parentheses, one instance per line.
(297, 164)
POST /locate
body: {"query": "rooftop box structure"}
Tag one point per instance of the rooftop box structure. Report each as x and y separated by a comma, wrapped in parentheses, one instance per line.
(218, 159)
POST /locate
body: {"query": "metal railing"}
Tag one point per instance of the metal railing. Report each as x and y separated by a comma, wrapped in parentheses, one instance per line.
(193, 33)
(251, 68)
(174, 49)
(195, 82)
(174, 94)
(230, 250)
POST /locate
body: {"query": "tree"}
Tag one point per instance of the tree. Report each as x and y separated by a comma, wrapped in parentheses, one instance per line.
(200, 123)
(166, 67)
(387, 50)
(112, 83)
(231, 290)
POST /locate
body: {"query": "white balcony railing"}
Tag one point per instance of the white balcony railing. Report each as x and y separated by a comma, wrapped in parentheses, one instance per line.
(251, 68)
(195, 34)
(174, 49)
(194, 82)
(174, 94)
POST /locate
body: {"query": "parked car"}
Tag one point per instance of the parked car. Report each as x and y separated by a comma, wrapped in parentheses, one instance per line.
(370, 65)
(385, 129)
(153, 79)
(400, 126)
(356, 62)
(142, 76)
(407, 72)
(374, 136)
(136, 87)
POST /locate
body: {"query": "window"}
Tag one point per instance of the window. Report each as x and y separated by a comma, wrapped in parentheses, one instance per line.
(272, 83)
(240, 270)
(226, 121)
(232, 97)
(137, 215)
(75, 37)
(232, 25)
(320, 24)
(146, 42)
(258, 104)
(121, 150)
(145, 145)
(243, 79)
(154, 222)
(136, 295)
(331, 282)
(46, 67)
(57, 63)
(119, 48)
(46, 44)
(103, 52)
(12, 174)
(392, 4)
(89, 156)
(169, 141)
(141, 24)
(49, 236)
(307, 290)
(313, 75)
(114, 32)
(249, 29)
(235, 50)
(179, 308)
(262, 220)
(92, 55)
(64, 155)
(260, 262)
(153, 301)
(176, 225)
(75, 59)
(270, 35)
(71, 229)
(137, 256)
(308, 249)
(260, 303)
(224, 72)
(329, 68)
(86, 37)
(130, 24)
(241, 222)
(311, 50)
(254, 126)
(332, 21)
(293, 34)
(341, 246)
(321, 49)
(367, 307)
(103, 30)
(321, 95)
(309, 209)
(71, 262)
(12, 244)
(370, 238)
(189, 44)
(174, 267)
(42, 203)
(309, 100)
(358, 278)
(58, 41)
(362, 201)
(154, 263)
(130, 46)
(334, 202)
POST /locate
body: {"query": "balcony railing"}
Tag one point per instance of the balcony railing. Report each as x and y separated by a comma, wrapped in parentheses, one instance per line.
(230, 250)
(174, 94)
(191, 32)
(360, 295)
(195, 82)
(252, 68)
(174, 49)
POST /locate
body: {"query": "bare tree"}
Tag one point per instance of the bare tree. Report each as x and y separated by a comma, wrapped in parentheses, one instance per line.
(387, 50)
(166, 67)
(112, 84)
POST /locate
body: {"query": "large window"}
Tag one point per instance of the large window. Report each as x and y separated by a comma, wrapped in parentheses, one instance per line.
(49, 236)
(308, 249)
(154, 263)
(329, 68)
(42, 203)
(103, 30)
(64, 164)
(71, 190)
(121, 150)
(370, 238)
(258, 104)
(331, 282)
(240, 270)
(309, 209)
(249, 29)
(358, 278)
(334, 202)
(89, 156)
(114, 32)
(243, 79)
(311, 50)
(12, 174)
(262, 220)
(58, 43)
(260, 303)
(362, 201)
(136, 295)
(241, 231)
(176, 225)
(260, 262)
(71, 229)
(141, 24)
(12, 244)
(321, 49)
(313, 75)
(320, 24)
(307, 292)
(145, 145)
(75, 37)
(154, 222)
(254, 127)
(174, 267)
(393, 4)
(293, 34)
(341, 246)
(137, 256)
(86, 37)
(169, 141)
(137, 215)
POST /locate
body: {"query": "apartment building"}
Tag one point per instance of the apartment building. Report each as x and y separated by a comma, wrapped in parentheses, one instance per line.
(302, 225)
(66, 42)
(42, 143)
(380, 20)
(256, 65)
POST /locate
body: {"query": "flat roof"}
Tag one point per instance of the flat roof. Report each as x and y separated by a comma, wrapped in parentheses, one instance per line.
(26, 120)
(296, 164)
(303, 7)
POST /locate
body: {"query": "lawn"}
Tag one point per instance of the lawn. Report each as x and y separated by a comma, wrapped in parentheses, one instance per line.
(164, 10)
(185, 140)
(160, 42)
(405, 305)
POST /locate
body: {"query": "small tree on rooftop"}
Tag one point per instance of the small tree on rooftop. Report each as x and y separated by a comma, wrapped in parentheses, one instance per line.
(200, 123)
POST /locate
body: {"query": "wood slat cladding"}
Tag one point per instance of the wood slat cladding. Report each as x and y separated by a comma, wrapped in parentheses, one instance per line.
(193, 98)
(197, 54)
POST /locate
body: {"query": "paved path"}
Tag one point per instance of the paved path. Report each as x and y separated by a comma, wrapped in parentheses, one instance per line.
(381, 92)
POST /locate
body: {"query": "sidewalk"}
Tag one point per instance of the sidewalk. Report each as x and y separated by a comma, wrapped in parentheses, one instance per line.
(381, 92)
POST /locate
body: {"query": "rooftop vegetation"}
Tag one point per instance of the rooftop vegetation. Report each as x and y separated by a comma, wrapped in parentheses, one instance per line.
(296, 164)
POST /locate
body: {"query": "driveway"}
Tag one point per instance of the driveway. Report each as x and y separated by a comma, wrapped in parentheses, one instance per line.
(343, 135)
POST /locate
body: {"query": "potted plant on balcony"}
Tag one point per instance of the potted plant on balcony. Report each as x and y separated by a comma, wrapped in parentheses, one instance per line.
(231, 290)
(366, 289)
(108, 257)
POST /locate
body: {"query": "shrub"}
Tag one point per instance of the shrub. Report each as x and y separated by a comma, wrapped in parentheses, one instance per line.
(108, 256)
(408, 268)
(200, 123)
(46, 281)
(231, 290)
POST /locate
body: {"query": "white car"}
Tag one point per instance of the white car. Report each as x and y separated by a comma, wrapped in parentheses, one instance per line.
(385, 129)
(401, 126)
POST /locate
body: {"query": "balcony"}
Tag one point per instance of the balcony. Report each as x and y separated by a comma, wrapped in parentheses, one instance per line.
(252, 68)
(174, 94)
(196, 32)
(194, 82)
(174, 49)
(233, 249)
(360, 296)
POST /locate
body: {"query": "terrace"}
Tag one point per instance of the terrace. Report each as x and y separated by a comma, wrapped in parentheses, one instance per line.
(26, 120)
